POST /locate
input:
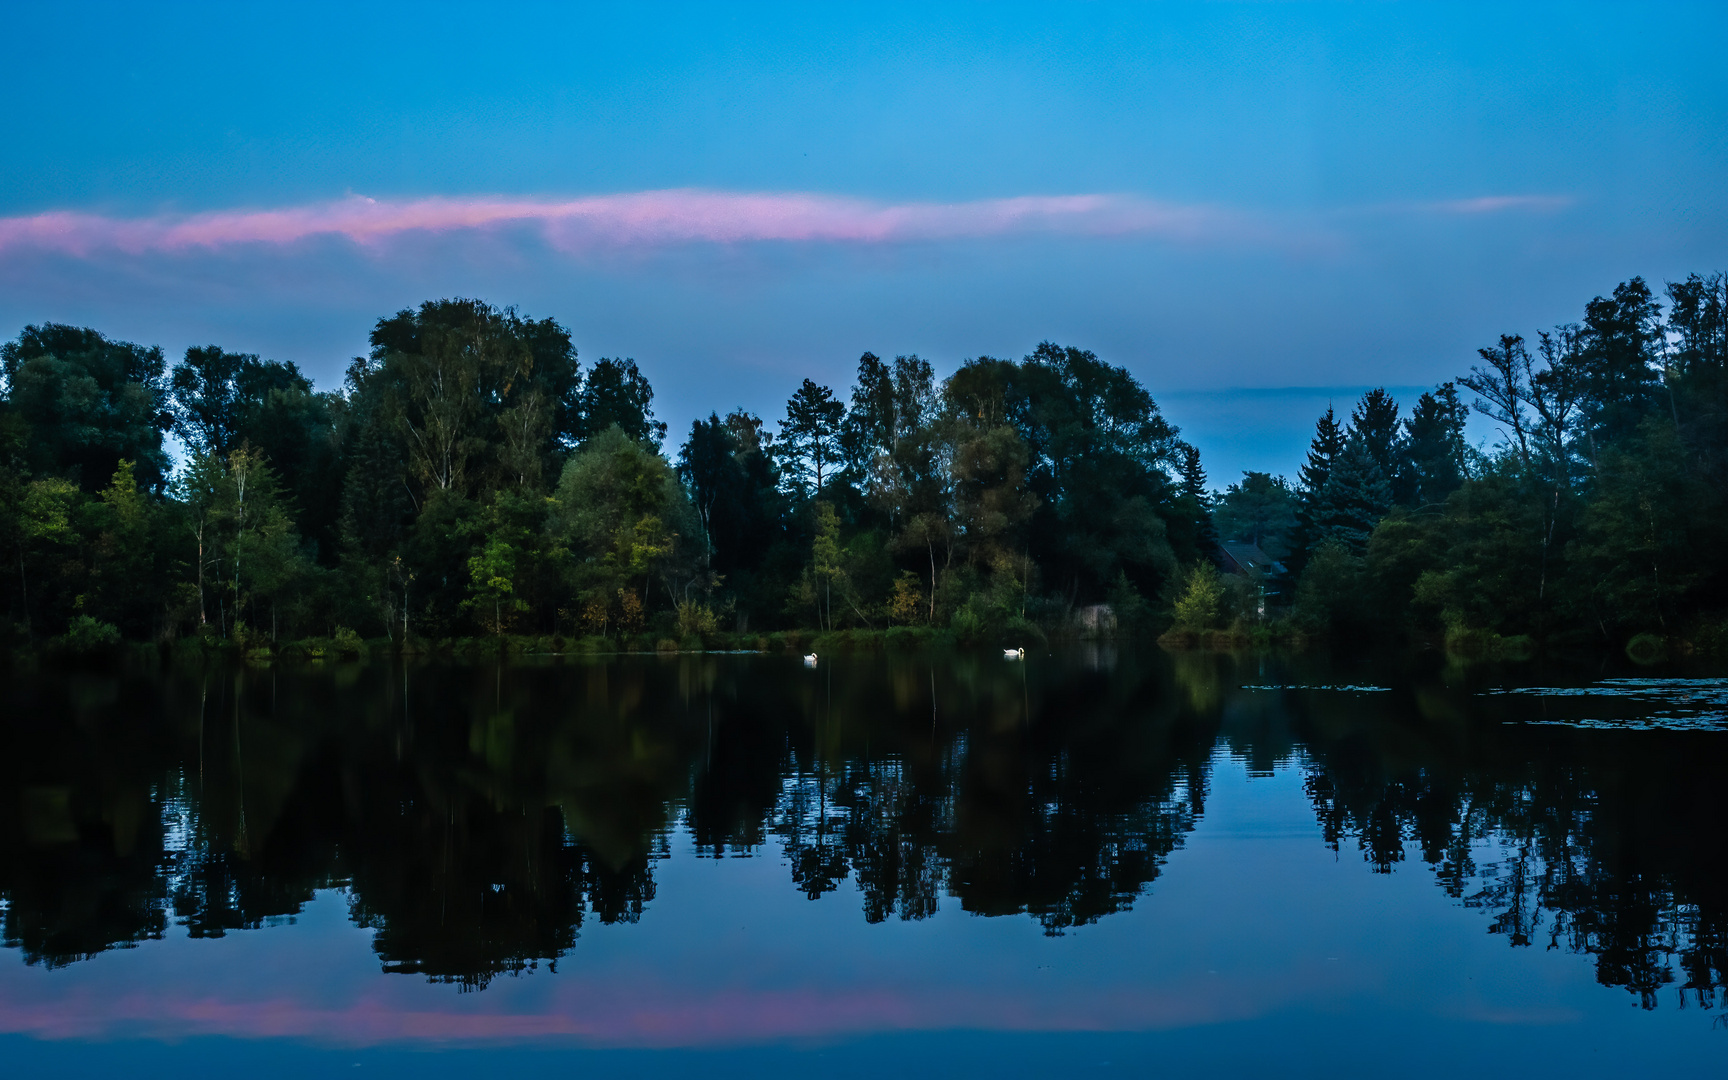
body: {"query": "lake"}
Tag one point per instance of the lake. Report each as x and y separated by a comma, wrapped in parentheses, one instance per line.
(1095, 861)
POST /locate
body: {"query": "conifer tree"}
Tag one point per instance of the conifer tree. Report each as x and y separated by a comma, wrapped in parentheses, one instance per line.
(1315, 474)
(1355, 498)
(1199, 499)
(1623, 344)
(810, 437)
(1433, 458)
(1375, 422)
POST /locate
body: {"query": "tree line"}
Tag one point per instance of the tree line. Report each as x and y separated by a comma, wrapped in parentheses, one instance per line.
(471, 479)
(1597, 516)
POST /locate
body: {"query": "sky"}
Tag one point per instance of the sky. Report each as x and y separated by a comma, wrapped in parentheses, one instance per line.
(1299, 200)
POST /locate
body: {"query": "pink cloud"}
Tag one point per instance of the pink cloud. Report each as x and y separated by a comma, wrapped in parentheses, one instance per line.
(640, 218)
(1497, 204)
(629, 1015)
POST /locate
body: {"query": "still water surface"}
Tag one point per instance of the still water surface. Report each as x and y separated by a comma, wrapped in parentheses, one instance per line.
(1092, 862)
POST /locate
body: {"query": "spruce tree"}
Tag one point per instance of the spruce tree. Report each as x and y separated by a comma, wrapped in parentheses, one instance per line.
(1375, 422)
(1199, 499)
(1316, 472)
(1433, 459)
(1355, 498)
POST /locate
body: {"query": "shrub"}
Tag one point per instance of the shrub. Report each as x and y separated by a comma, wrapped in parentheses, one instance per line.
(967, 624)
(1201, 604)
(697, 619)
(906, 605)
(348, 643)
(84, 635)
(1329, 596)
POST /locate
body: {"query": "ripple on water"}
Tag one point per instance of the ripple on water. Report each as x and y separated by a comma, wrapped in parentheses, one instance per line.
(1669, 704)
(1347, 689)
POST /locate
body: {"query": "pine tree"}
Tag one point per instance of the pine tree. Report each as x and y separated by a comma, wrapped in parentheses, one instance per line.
(1433, 459)
(1328, 441)
(1199, 499)
(1316, 473)
(810, 438)
(1355, 498)
(1375, 422)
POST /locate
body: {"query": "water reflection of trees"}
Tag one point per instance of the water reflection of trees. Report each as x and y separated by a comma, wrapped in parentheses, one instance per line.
(82, 862)
(1056, 795)
(1599, 842)
(479, 818)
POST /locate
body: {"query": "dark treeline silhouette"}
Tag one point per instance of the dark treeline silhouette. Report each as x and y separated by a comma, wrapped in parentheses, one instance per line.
(479, 817)
(472, 479)
(1593, 519)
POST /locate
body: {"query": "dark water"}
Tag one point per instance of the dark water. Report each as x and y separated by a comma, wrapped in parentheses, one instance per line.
(1087, 863)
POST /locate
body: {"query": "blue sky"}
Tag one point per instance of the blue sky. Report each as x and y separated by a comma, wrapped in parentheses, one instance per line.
(1217, 196)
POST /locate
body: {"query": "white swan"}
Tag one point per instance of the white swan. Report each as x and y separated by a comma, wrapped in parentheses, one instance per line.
(810, 661)
(1014, 654)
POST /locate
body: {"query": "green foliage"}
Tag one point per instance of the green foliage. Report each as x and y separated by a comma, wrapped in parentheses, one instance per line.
(1316, 477)
(491, 572)
(620, 511)
(1647, 649)
(1434, 449)
(825, 561)
(1128, 607)
(809, 447)
(727, 468)
(471, 485)
(1260, 510)
(348, 642)
(472, 395)
(1356, 496)
(616, 394)
(86, 635)
(696, 619)
(968, 624)
(1329, 594)
(85, 403)
(122, 525)
(1635, 555)
(906, 603)
(1200, 606)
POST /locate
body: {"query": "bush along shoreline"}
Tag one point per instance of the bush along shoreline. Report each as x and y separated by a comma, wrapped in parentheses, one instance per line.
(471, 483)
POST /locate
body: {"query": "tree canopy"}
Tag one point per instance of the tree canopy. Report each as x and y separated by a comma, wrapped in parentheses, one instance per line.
(470, 478)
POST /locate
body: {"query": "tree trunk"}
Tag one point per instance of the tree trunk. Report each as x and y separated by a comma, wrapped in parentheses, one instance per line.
(931, 547)
(24, 595)
(203, 619)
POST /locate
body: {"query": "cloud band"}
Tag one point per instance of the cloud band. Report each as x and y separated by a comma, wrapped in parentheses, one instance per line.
(693, 215)
(641, 218)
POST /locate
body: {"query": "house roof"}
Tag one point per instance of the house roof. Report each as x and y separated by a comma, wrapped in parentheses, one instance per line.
(1245, 558)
